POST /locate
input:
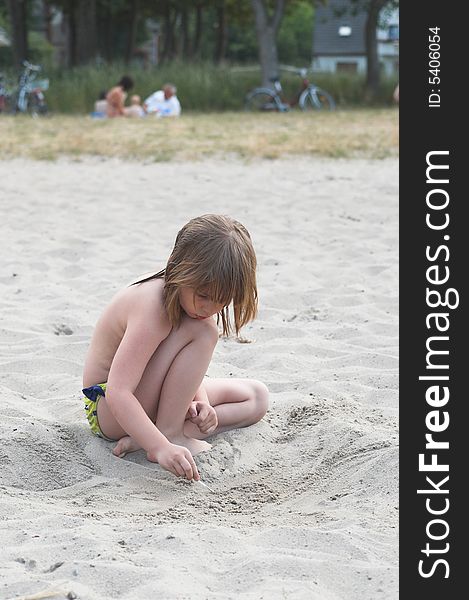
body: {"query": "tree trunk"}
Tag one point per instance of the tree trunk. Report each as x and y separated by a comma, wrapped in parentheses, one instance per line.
(105, 31)
(268, 56)
(72, 34)
(373, 68)
(222, 33)
(168, 35)
(267, 28)
(197, 32)
(85, 24)
(17, 10)
(186, 45)
(177, 38)
(46, 11)
(132, 31)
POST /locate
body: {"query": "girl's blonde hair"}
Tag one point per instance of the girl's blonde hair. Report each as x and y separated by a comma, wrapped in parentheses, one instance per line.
(213, 254)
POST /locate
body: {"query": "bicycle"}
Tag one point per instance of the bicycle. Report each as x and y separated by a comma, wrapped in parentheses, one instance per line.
(27, 96)
(310, 96)
(30, 93)
(5, 95)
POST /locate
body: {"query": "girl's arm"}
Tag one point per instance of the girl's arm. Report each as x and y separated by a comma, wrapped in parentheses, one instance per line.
(201, 395)
(146, 328)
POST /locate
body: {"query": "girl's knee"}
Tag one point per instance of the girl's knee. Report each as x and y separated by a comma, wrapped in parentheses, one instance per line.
(206, 330)
(260, 398)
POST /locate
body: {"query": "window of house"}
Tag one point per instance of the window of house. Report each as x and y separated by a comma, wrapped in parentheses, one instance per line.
(346, 67)
(393, 32)
(345, 31)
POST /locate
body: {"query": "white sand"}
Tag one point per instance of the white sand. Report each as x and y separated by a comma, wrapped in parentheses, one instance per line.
(305, 502)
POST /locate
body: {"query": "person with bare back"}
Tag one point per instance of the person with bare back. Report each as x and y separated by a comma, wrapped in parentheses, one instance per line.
(117, 95)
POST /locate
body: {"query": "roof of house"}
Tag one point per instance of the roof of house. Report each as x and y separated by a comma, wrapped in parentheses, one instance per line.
(326, 37)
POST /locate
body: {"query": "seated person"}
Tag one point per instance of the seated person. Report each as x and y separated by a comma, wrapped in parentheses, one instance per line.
(117, 95)
(163, 103)
(135, 109)
(100, 106)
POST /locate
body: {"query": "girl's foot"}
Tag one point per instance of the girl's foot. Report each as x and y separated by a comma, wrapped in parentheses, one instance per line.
(124, 446)
(194, 446)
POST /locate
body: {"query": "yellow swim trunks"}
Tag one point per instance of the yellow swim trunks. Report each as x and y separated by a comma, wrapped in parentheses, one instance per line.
(91, 399)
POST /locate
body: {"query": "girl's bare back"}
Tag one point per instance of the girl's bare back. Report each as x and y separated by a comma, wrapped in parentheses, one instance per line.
(112, 324)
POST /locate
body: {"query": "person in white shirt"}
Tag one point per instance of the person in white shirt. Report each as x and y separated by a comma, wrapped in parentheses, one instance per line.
(163, 103)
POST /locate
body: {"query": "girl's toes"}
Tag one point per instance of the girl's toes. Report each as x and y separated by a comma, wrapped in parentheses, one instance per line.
(124, 446)
(119, 450)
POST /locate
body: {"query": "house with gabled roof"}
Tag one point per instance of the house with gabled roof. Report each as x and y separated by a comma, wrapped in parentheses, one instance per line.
(339, 40)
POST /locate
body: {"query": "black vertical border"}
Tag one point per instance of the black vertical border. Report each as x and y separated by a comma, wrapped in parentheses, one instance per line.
(424, 129)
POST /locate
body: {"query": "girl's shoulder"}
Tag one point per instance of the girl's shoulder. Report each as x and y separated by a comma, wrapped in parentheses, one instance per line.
(146, 297)
(159, 275)
(141, 303)
(149, 292)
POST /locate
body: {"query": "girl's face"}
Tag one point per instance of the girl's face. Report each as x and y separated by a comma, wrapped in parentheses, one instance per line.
(198, 306)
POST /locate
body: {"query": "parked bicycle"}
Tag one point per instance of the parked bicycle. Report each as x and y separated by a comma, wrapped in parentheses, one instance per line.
(4, 94)
(28, 97)
(309, 97)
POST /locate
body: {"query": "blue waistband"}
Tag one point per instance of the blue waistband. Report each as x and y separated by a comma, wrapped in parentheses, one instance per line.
(93, 392)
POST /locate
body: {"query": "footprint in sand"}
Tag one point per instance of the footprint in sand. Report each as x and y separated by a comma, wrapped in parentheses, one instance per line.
(62, 329)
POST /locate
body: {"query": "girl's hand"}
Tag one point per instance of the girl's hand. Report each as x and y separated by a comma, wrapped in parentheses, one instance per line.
(204, 416)
(175, 459)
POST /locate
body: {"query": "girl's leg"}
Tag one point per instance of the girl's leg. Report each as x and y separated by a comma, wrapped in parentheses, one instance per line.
(181, 384)
(237, 402)
(169, 384)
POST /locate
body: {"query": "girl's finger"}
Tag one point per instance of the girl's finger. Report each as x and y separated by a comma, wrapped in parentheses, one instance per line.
(177, 469)
(186, 466)
(195, 471)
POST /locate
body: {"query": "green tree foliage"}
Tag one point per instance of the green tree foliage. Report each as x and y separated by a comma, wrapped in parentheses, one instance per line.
(3, 15)
(18, 17)
(295, 34)
(221, 31)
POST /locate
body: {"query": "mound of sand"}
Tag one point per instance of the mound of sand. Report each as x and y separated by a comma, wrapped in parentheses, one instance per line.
(304, 504)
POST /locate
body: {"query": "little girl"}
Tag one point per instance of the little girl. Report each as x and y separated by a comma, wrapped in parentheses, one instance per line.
(152, 346)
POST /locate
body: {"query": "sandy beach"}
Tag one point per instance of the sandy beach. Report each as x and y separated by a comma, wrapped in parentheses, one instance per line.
(304, 504)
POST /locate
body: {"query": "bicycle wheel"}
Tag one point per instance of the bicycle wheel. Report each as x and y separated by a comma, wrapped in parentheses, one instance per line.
(36, 106)
(316, 98)
(261, 100)
(21, 102)
(8, 106)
